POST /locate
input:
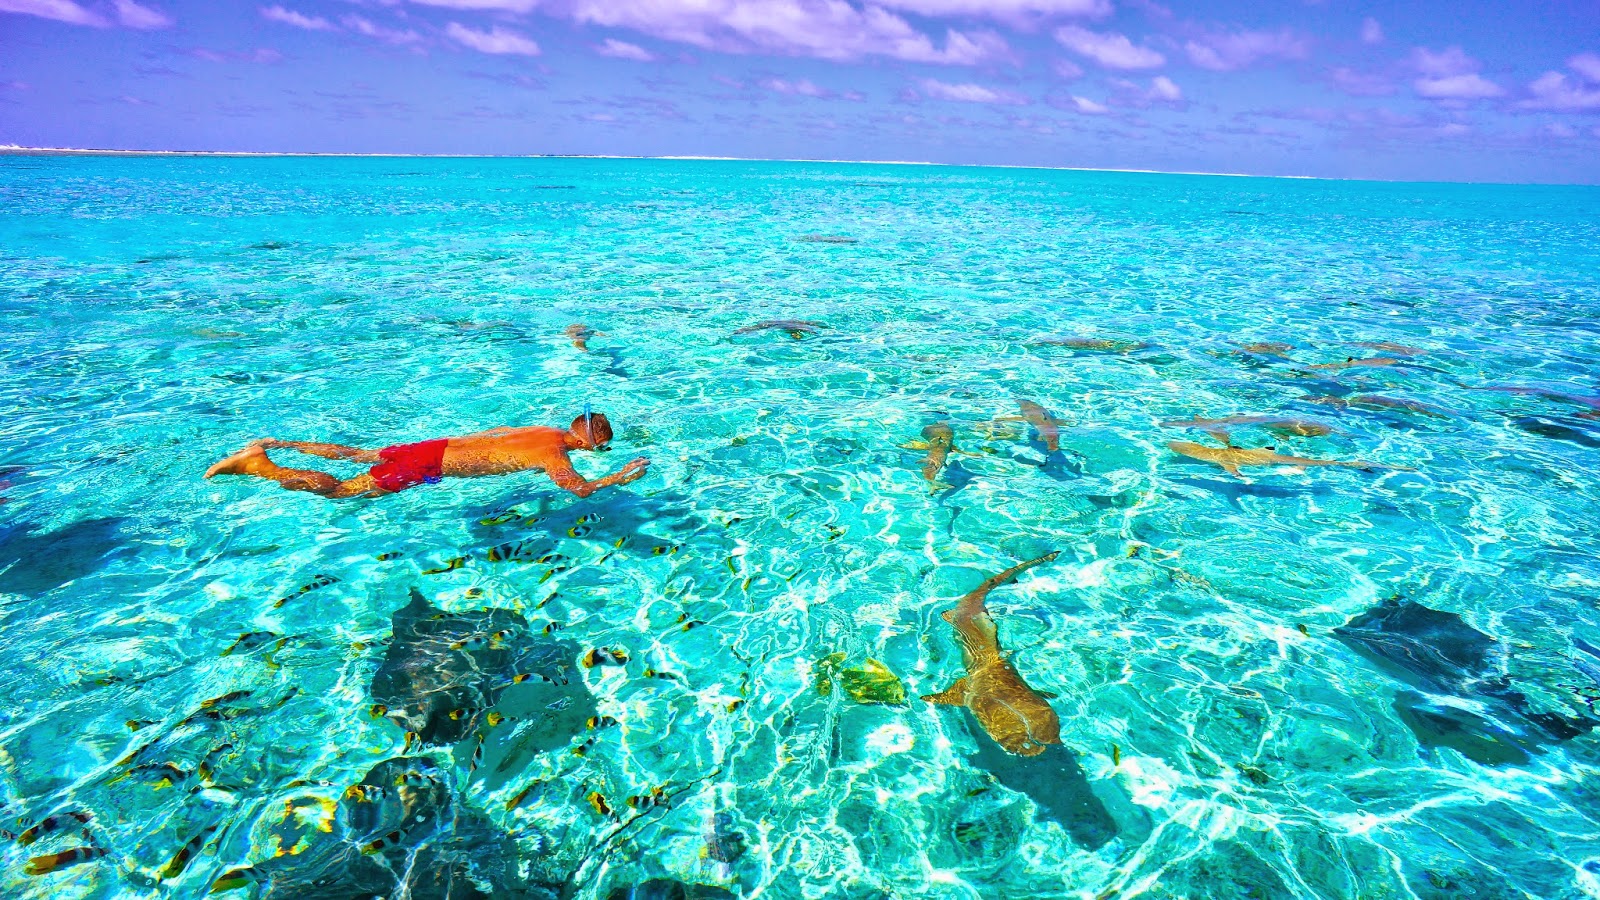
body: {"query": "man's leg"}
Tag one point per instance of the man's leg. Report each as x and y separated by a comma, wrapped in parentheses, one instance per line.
(326, 451)
(253, 460)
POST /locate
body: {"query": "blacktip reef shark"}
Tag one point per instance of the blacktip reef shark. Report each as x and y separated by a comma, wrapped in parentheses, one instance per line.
(939, 442)
(1047, 426)
(1353, 363)
(1105, 344)
(1391, 347)
(795, 328)
(1593, 403)
(1267, 348)
(579, 334)
(1376, 402)
(1231, 459)
(1219, 428)
(1015, 715)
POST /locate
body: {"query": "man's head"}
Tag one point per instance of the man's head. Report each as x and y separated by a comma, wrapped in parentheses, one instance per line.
(592, 431)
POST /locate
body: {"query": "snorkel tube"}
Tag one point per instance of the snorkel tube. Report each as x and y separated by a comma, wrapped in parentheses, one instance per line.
(588, 428)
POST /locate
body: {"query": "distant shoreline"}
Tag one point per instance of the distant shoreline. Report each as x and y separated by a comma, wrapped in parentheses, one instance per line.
(15, 150)
(86, 151)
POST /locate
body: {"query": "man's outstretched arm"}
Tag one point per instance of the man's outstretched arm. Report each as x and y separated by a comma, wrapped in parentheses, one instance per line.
(567, 478)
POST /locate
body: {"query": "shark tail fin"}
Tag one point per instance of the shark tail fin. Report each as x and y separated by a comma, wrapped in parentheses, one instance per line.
(954, 695)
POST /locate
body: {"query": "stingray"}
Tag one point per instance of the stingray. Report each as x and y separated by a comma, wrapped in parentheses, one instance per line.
(539, 715)
(400, 831)
(1444, 659)
(1424, 648)
(663, 889)
(444, 671)
(1556, 430)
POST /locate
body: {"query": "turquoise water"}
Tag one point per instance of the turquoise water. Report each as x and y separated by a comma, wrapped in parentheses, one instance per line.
(1220, 738)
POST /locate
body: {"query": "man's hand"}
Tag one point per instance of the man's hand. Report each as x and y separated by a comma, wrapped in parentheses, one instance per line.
(633, 471)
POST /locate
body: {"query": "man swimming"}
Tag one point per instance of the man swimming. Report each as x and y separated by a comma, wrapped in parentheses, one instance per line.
(498, 451)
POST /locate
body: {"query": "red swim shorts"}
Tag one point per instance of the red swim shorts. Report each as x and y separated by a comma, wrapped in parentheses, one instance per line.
(408, 465)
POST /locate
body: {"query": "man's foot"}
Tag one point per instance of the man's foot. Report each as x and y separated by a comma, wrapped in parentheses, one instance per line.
(245, 462)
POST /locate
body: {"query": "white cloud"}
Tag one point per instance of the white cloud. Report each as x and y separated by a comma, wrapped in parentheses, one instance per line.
(1162, 88)
(1555, 91)
(1067, 70)
(132, 15)
(512, 6)
(1560, 130)
(1470, 86)
(826, 29)
(497, 40)
(1089, 107)
(298, 20)
(1225, 51)
(969, 93)
(1447, 62)
(367, 27)
(1005, 10)
(623, 50)
(1109, 49)
(1451, 76)
(802, 88)
(58, 10)
(1586, 65)
(1161, 92)
(1371, 31)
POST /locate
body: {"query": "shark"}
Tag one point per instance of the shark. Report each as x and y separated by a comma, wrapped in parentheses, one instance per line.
(1218, 428)
(939, 442)
(1392, 347)
(1015, 715)
(795, 328)
(1352, 363)
(1267, 348)
(1593, 403)
(1377, 402)
(1106, 344)
(1046, 425)
(579, 334)
(1232, 458)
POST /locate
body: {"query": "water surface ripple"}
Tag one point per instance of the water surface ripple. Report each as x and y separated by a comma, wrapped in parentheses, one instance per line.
(167, 714)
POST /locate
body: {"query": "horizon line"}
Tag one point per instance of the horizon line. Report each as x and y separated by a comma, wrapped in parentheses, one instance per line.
(18, 150)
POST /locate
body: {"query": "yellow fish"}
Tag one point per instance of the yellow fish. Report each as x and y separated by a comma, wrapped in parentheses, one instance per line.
(1015, 715)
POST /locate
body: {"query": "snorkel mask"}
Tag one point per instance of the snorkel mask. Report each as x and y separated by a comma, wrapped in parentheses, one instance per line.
(588, 427)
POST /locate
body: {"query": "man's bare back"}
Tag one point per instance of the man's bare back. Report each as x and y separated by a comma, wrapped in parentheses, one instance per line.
(499, 451)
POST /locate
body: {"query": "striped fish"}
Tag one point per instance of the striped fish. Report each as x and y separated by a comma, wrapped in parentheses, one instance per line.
(40, 865)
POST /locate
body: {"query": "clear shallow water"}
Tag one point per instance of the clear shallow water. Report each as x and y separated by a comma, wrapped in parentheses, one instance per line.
(1220, 739)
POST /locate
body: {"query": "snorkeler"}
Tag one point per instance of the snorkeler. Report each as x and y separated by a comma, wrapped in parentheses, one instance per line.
(498, 451)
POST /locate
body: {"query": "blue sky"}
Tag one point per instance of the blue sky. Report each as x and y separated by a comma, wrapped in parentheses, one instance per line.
(1477, 91)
